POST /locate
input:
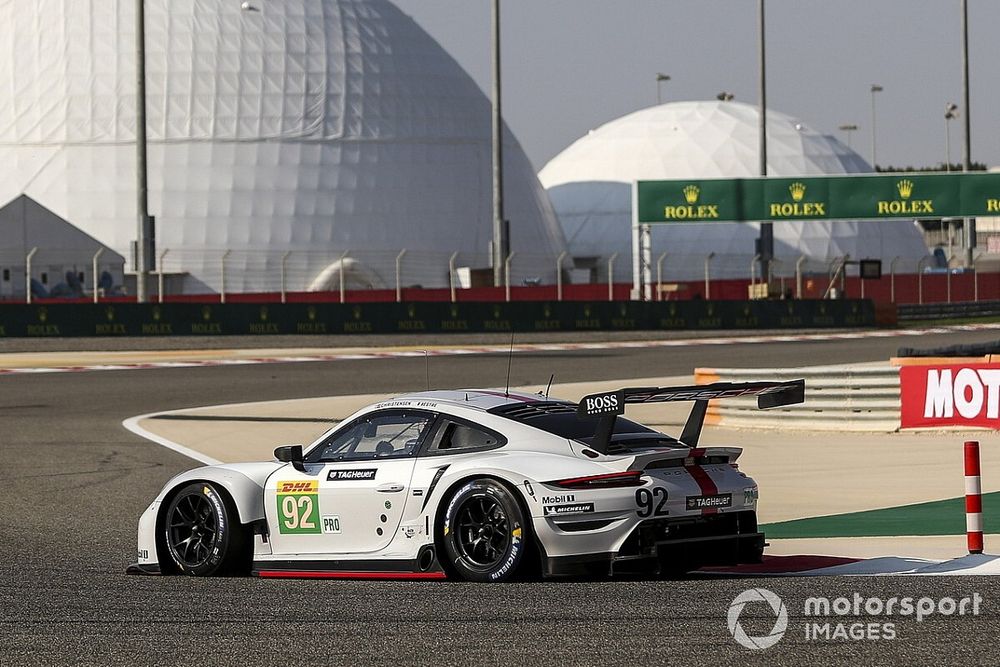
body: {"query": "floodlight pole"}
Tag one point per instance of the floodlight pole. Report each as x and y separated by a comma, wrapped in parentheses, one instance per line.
(501, 233)
(142, 229)
(970, 223)
(766, 242)
(875, 88)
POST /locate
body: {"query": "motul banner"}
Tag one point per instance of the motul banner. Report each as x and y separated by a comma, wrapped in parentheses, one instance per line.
(960, 395)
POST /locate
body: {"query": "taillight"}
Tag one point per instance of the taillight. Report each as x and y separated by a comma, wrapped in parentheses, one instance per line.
(606, 481)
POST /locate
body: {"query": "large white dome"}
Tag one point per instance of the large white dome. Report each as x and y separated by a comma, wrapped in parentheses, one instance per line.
(311, 126)
(590, 187)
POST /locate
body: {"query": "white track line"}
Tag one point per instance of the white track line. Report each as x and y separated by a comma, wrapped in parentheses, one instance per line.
(132, 424)
(498, 349)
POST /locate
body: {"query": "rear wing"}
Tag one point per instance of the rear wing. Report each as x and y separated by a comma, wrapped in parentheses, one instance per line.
(608, 405)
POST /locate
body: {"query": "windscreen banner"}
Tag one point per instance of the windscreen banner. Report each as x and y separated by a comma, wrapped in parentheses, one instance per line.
(950, 395)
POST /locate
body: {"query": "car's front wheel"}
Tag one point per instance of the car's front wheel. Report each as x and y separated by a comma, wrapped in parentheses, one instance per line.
(202, 532)
(484, 532)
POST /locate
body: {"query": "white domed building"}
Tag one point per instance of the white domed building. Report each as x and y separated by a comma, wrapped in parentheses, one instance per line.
(301, 129)
(589, 184)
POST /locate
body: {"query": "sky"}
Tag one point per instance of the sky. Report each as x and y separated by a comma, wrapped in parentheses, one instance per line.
(572, 65)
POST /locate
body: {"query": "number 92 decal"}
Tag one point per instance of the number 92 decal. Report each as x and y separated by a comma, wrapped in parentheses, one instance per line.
(651, 502)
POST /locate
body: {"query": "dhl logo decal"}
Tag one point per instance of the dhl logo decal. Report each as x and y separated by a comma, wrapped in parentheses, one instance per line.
(310, 486)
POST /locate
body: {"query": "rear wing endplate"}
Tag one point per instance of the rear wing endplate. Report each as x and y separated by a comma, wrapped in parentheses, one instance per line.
(608, 405)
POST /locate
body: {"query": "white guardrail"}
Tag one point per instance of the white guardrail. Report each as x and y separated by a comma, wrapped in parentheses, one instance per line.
(860, 397)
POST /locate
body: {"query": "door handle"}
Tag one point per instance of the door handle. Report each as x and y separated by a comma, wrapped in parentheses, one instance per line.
(389, 488)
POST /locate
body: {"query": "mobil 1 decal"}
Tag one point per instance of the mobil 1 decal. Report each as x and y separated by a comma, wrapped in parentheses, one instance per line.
(298, 507)
(608, 403)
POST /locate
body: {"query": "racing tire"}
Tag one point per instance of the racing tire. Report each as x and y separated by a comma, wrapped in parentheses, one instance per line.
(202, 532)
(484, 532)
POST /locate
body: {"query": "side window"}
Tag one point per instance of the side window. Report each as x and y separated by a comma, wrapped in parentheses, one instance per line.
(456, 438)
(390, 434)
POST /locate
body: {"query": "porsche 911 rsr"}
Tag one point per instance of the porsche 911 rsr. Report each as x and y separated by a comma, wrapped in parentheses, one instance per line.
(479, 485)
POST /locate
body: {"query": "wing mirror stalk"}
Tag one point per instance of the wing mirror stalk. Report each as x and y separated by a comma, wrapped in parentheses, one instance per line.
(290, 454)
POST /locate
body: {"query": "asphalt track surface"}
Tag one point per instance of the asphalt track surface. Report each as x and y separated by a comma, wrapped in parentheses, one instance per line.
(73, 482)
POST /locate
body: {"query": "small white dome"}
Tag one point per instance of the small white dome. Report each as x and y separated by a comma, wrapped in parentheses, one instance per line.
(590, 187)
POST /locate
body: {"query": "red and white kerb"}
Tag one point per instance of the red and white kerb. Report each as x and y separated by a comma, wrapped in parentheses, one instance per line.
(973, 498)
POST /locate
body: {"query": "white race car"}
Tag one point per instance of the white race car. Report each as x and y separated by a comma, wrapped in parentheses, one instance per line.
(481, 485)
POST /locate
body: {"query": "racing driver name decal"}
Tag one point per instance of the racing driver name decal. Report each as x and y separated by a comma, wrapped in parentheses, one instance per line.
(351, 475)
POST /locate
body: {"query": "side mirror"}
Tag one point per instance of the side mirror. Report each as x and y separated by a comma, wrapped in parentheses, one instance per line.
(290, 454)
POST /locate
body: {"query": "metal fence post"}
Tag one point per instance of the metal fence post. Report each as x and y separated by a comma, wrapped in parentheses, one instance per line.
(506, 273)
(343, 256)
(399, 271)
(753, 269)
(159, 277)
(451, 274)
(975, 277)
(659, 276)
(97, 256)
(948, 279)
(611, 277)
(708, 280)
(559, 278)
(222, 294)
(798, 276)
(27, 275)
(284, 273)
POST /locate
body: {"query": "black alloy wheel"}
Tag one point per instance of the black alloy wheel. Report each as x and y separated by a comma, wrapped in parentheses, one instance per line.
(203, 534)
(484, 532)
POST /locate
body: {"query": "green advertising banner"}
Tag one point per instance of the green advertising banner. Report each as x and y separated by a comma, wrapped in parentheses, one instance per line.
(709, 200)
(867, 197)
(332, 319)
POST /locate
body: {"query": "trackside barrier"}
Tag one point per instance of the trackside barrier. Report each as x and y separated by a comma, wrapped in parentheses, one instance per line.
(911, 312)
(973, 498)
(838, 398)
(323, 318)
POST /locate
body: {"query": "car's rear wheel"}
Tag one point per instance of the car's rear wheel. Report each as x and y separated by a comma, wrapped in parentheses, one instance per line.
(484, 532)
(202, 532)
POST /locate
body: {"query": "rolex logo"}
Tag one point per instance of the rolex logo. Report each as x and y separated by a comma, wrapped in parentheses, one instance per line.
(905, 188)
(206, 313)
(797, 209)
(904, 206)
(692, 210)
(311, 313)
(109, 313)
(263, 313)
(691, 193)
